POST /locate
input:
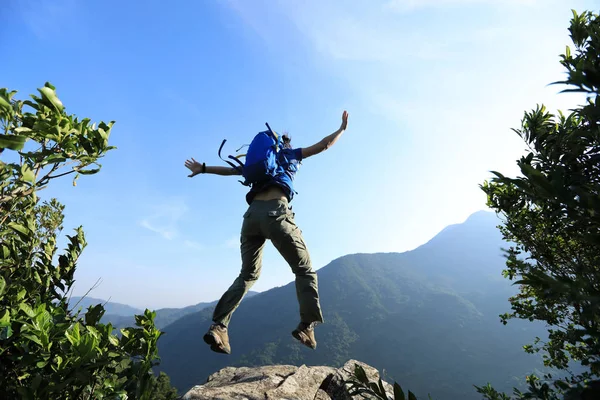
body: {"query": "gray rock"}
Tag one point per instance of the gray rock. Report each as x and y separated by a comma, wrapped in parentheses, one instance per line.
(279, 382)
(337, 390)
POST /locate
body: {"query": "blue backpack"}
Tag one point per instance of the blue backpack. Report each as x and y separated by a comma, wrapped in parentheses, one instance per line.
(263, 161)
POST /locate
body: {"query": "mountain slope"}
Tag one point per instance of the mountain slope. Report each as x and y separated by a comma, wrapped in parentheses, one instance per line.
(428, 317)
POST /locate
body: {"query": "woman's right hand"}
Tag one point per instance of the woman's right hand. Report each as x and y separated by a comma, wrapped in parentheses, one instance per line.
(344, 121)
(193, 166)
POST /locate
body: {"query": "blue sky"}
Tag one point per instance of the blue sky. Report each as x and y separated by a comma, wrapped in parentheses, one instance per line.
(433, 89)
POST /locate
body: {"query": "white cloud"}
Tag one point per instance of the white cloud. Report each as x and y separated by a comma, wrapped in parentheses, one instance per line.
(375, 31)
(357, 32)
(399, 66)
(356, 39)
(164, 218)
(163, 231)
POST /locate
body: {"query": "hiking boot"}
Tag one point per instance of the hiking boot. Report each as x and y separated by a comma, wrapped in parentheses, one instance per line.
(305, 333)
(218, 339)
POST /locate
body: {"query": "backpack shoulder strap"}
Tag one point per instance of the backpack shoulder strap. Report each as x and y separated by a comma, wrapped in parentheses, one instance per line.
(239, 168)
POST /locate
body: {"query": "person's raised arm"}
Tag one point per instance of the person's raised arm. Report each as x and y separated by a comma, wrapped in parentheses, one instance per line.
(202, 168)
(327, 141)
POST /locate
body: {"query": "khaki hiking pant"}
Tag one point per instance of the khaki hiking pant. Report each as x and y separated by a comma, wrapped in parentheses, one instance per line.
(272, 219)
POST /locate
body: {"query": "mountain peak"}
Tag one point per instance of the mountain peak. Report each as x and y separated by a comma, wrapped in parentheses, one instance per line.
(481, 226)
(481, 215)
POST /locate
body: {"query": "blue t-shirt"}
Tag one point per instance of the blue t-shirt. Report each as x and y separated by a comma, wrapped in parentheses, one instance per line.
(290, 158)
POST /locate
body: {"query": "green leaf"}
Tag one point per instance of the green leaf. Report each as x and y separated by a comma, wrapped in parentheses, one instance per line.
(23, 376)
(5, 319)
(87, 346)
(398, 393)
(5, 332)
(373, 386)
(411, 396)
(12, 142)
(54, 159)
(2, 287)
(94, 314)
(5, 104)
(26, 308)
(19, 228)
(88, 171)
(50, 95)
(37, 277)
(5, 327)
(113, 340)
(22, 129)
(42, 317)
(360, 373)
(33, 338)
(73, 334)
(562, 385)
(381, 388)
(35, 383)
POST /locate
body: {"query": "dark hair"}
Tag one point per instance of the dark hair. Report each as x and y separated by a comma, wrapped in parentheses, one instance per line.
(287, 140)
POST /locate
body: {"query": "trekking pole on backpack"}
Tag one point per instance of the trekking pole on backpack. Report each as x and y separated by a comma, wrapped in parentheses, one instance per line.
(275, 135)
(268, 127)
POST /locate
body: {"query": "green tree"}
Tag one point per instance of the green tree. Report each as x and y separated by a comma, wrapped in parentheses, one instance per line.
(46, 350)
(161, 388)
(552, 220)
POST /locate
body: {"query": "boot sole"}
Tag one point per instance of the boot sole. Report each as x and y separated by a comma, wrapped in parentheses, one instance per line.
(215, 345)
(297, 335)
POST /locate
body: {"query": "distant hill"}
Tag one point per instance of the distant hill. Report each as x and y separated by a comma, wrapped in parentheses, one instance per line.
(427, 317)
(116, 309)
(121, 315)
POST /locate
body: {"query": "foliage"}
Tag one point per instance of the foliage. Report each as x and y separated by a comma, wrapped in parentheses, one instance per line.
(47, 351)
(161, 389)
(552, 218)
(360, 385)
